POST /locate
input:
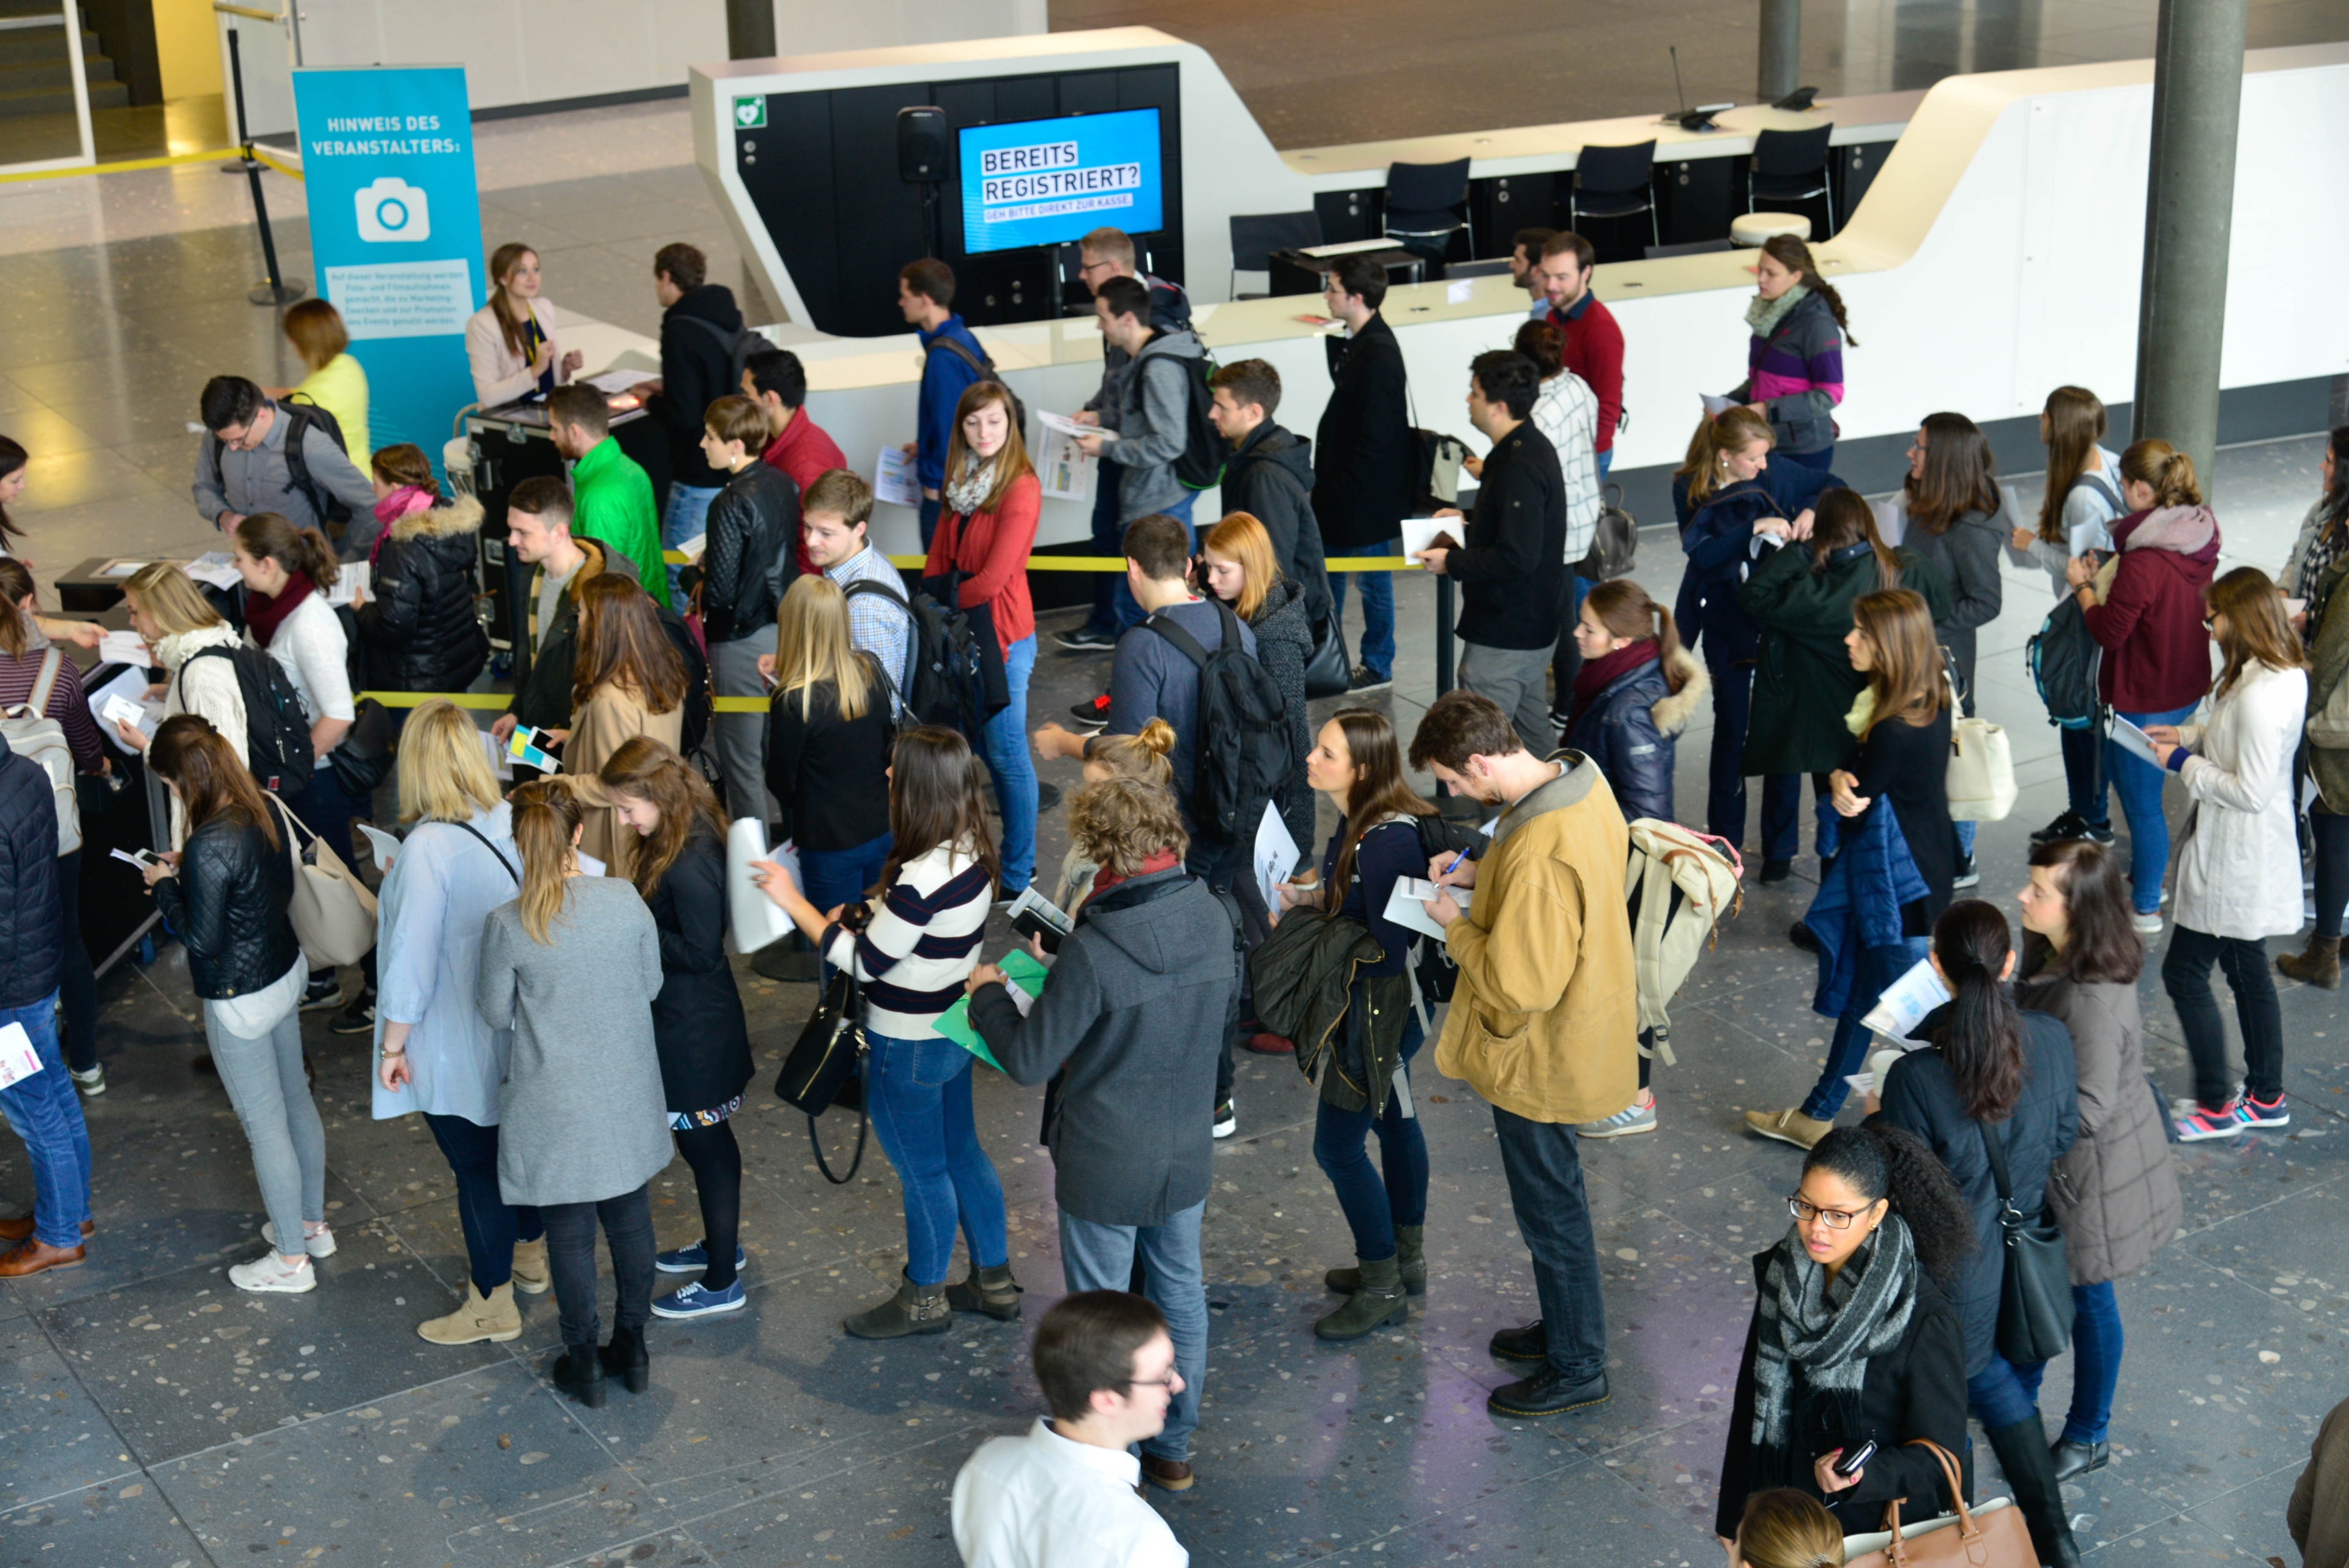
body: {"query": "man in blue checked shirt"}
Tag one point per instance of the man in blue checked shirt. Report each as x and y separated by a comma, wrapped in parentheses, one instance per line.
(834, 517)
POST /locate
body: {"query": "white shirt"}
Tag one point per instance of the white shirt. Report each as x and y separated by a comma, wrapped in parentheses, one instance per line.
(1046, 1501)
(309, 646)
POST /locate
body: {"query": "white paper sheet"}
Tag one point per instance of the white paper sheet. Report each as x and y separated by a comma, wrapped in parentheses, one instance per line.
(1905, 1001)
(18, 1060)
(691, 549)
(894, 481)
(1044, 909)
(382, 844)
(1406, 906)
(1459, 290)
(2134, 740)
(120, 568)
(213, 569)
(125, 647)
(499, 764)
(754, 920)
(611, 383)
(128, 687)
(1714, 407)
(134, 861)
(1064, 470)
(590, 867)
(1276, 856)
(1879, 1064)
(1419, 533)
(355, 576)
(1067, 426)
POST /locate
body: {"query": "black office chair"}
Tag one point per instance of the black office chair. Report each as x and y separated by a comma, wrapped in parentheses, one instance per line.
(1424, 208)
(1791, 166)
(1257, 236)
(1614, 183)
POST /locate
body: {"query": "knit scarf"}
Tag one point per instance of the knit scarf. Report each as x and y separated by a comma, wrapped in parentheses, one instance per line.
(402, 500)
(1764, 314)
(2316, 574)
(967, 492)
(264, 615)
(1823, 1333)
(1599, 673)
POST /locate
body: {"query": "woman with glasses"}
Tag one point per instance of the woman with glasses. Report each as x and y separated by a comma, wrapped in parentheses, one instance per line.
(1992, 1075)
(1853, 1340)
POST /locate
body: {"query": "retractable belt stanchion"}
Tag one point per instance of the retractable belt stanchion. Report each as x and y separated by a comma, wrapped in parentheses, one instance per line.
(273, 289)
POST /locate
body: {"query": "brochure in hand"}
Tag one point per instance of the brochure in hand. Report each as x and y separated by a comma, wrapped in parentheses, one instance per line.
(1025, 983)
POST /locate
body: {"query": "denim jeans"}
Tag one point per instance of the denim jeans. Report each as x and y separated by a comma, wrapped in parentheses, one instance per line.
(1879, 967)
(1109, 539)
(1378, 644)
(2138, 783)
(1725, 800)
(2084, 784)
(2332, 835)
(1124, 612)
(2096, 1364)
(76, 982)
(1545, 1177)
(687, 514)
(1375, 1207)
(44, 1111)
(842, 875)
(1013, 766)
(930, 509)
(1097, 1257)
(327, 810)
(628, 1223)
(271, 1093)
(2186, 975)
(918, 1095)
(491, 1225)
(1965, 831)
(1606, 461)
(1997, 1396)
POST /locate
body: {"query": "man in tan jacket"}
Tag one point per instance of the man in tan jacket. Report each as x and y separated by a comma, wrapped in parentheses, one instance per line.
(1544, 1023)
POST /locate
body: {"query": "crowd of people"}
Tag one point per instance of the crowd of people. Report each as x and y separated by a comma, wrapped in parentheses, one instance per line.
(545, 975)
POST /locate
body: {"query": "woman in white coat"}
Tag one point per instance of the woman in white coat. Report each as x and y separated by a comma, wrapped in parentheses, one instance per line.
(2238, 861)
(509, 342)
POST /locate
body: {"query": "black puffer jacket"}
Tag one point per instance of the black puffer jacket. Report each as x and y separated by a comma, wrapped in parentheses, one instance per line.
(753, 532)
(698, 1027)
(32, 920)
(227, 907)
(418, 629)
(1283, 642)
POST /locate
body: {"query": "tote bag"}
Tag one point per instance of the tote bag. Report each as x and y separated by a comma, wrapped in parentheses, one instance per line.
(1991, 1536)
(333, 912)
(1982, 772)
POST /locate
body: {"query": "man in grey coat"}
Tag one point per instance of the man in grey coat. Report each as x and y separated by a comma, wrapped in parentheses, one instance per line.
(244, 466)
(1131, 1023)
(1153, 415)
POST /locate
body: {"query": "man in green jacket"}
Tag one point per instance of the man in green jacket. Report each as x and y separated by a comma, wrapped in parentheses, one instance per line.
(611, 498)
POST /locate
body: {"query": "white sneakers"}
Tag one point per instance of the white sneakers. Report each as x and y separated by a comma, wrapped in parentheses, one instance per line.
(319, 1243)
(270, 1272)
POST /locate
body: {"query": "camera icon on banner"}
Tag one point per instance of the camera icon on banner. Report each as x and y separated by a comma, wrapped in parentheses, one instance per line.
(392, 209)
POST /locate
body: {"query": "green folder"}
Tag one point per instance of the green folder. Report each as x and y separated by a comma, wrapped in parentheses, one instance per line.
(1018, 969)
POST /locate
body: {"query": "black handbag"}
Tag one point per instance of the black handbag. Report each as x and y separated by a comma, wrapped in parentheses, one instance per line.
(364, 759)
(826, 1068)
(2034, 1300)
(1326, 671)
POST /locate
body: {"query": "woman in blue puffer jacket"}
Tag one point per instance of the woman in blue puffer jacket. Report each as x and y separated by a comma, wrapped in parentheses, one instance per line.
(1634, 696)
(1727, 482)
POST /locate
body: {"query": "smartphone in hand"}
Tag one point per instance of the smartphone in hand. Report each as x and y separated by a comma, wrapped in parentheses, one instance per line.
(1849, 1465)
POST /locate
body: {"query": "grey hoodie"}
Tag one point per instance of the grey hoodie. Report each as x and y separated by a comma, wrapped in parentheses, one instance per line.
(1132, 1021)
(1153, 424)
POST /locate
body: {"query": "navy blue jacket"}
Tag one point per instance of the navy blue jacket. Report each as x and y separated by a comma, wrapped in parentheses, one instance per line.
(31, 919)
(945, 374)
(1717, 537)
(1631, 729)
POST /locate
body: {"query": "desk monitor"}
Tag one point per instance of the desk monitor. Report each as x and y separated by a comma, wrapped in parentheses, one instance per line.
(1036, 183)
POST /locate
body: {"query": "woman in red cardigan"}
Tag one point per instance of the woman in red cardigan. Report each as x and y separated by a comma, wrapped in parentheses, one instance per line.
(986, 528)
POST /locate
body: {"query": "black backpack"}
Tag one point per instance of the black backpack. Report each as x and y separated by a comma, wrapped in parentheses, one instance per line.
(2064, 661)
(1240, 741)
(944, 680)
(985, 365)
(1432, 970)
(276, 730)
(694, 726)
(300, 418)
(1204, 451)
(738, 342)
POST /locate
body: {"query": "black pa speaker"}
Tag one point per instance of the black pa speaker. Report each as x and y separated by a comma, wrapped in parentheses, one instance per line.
(921, 146)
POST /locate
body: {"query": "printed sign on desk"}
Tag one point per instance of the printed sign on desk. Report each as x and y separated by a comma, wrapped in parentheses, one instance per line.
(396, 234)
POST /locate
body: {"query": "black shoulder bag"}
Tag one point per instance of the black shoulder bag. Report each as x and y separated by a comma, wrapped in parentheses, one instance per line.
(827, 1066)
(2034, 1300)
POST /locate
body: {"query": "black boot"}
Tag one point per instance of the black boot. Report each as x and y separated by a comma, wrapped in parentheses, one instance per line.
(2030, 1468)
(625, 1360)
(579, 1372)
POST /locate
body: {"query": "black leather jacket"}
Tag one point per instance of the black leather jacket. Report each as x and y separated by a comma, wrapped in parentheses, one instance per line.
(418, 628)
(752, 554)
(32, 924)
(227, 907)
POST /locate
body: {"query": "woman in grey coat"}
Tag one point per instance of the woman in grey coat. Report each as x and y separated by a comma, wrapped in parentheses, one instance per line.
(572, 966)
(2115, 1191)
(1238, 568)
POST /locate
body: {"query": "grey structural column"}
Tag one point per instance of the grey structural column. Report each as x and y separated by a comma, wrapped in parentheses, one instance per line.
(749, 29)
(1781, 49)
(2198, 99)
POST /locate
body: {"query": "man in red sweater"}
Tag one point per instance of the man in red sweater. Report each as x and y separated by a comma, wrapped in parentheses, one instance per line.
(775, 380)
(1594, 344)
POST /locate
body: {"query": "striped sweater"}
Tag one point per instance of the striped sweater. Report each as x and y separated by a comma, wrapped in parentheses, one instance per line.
(1794, 369)
(921, 944)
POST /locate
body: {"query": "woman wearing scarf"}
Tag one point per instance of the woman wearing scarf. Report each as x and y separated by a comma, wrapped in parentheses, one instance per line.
(1634, 695)
(1793, 375)
(416, 625)
(1853, 1340)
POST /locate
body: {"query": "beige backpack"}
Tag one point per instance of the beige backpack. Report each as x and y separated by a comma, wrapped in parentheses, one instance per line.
(1679, 883)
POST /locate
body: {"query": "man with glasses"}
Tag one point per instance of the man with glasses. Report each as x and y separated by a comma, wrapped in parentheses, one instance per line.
(1067, 1494)
(247, 464)
(1543, 1023)
(1101, 255)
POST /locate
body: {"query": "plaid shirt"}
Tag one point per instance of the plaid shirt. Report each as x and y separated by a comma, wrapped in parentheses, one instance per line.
(876, 624)
(1567, 412)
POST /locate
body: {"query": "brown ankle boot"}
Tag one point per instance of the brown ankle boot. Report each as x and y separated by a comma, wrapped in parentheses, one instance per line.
(2320, 965)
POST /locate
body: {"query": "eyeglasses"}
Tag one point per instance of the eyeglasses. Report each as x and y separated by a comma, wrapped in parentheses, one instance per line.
(1836, 1219)
(1166, 1382)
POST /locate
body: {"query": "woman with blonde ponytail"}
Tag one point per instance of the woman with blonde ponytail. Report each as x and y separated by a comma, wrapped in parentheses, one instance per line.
(572, 966)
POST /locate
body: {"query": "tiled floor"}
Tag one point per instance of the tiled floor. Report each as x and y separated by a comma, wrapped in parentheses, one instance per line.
(161, 1417)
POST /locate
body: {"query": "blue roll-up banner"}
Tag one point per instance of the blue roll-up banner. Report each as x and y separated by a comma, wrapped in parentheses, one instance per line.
(396, 234)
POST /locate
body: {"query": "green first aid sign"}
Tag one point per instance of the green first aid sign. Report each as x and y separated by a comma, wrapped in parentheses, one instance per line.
(750, 113)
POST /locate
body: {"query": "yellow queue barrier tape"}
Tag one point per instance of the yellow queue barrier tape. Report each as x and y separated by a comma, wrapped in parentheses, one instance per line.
(132, 164)
(498, 700)
(1117, 563)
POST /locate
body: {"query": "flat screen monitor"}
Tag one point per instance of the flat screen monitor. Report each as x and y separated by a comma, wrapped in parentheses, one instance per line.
(1037, 183)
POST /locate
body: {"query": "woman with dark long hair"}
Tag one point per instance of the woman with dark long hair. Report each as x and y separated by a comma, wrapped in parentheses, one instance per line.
(912, 953)
(1805, 682)
(1794, 363)
(1236, 566)
(1853, 1340)
(1877, 903)
(627, 681)
(2115, 1191)
(2319, 565)
(1357, 767)
(1991, 1073)
(698, 1026)
(2238, 865)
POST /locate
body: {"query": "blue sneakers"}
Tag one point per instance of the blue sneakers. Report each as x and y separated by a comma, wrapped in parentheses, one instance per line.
(692, 1301)
(694, 1259)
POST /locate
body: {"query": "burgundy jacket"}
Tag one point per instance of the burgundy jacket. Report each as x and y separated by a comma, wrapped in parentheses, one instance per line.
(2156, 650)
